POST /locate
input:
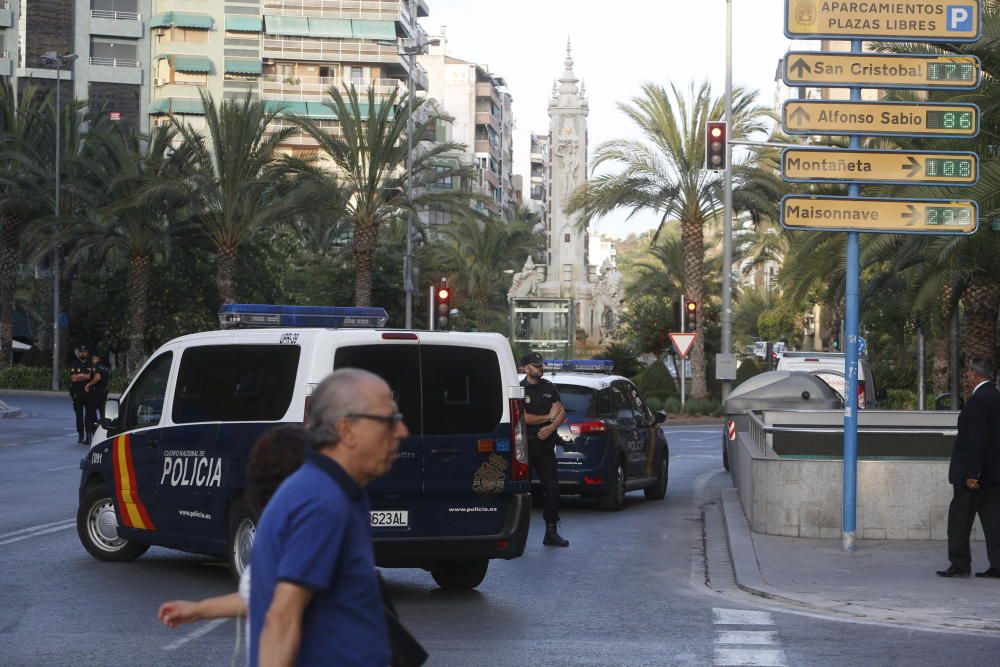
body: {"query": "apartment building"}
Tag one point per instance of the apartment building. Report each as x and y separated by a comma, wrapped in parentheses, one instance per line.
(106, 36)
(481, 106)
(531, 164)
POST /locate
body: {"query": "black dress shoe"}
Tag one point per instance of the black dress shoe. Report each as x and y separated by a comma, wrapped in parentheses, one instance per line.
(953, 571)
(992, 573)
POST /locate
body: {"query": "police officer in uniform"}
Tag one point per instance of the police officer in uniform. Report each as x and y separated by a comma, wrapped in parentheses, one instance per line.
(544, 413)
(79, 375)
(96, 391)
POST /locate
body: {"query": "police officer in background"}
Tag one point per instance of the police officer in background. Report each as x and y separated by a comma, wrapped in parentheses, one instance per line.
(544, 413)
(96, 391)
(79, 375)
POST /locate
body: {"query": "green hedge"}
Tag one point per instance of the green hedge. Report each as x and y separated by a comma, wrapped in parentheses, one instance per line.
(655, 381)
(899, 399)
(26, 377)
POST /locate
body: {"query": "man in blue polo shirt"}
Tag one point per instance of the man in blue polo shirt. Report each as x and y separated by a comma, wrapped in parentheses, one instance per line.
(314, 596)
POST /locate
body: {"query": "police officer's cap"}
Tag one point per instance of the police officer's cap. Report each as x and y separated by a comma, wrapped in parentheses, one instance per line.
(82, 348)
(532, 358)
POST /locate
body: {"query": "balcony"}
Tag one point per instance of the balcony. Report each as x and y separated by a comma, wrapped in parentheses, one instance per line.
(332, 50)
(275, 86)
(115, 70)
(6, 14)
(372, 10)
(487, 118)
(115, 24)
(485, 89)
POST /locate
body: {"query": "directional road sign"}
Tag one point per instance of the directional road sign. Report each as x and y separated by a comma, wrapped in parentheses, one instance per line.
(899, 216)
(893, 20)
(801, 68)
(682, 343)
(834, 165)
(909, 119)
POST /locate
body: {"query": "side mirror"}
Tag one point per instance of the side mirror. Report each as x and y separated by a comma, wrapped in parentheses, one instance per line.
(111, 410)
(659, 417)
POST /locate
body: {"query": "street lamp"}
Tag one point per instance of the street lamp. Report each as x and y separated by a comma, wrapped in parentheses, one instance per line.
(59, 61)
(410, 47)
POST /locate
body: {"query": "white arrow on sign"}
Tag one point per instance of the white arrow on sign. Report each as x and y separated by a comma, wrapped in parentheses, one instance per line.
(682, 343)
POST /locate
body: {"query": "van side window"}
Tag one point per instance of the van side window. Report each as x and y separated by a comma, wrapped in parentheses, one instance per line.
(143, 405)
(604, 407)
(462, 390)
(398, 365)
(642, 413)
(623, 405)
(226, 383)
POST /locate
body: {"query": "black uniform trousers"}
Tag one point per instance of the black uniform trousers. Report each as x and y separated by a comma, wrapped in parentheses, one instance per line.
(542, 460)
(965, 504)
(95, 408)
(79, 409)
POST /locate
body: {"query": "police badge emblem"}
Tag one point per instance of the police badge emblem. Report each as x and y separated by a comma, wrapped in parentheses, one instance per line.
(489, 479)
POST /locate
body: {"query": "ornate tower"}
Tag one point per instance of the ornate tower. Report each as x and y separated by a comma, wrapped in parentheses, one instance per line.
(568, 109)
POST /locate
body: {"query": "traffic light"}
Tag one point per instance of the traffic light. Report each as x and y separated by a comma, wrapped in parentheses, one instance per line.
(690, 315)
(442, 306)
(715, 145)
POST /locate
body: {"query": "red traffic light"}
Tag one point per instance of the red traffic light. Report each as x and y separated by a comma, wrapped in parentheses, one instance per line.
(715, 145)
(692, 306)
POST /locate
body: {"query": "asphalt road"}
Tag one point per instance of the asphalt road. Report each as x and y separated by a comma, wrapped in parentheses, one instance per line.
(630, 590)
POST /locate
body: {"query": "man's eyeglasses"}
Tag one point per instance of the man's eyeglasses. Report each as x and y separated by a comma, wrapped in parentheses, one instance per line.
(391, 421)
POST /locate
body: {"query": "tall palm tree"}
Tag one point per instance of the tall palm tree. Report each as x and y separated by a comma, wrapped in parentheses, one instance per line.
(20, 125)
(368, 151)
(663, 172)
(237, 180)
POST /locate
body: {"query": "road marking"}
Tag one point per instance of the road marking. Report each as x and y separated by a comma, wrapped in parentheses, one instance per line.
(741, 617)
(75, 465)
(36, 531)
(758, 637)
(204, 629)
(750, 656)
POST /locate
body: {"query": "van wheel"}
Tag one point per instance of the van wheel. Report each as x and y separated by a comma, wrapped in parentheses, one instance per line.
(461, 575)
(614, 500)
(97, 526)
(659, 490)
(242, 530)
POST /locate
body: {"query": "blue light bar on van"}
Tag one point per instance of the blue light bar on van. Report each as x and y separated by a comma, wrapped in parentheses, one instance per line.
(257, 315)
(580, 365)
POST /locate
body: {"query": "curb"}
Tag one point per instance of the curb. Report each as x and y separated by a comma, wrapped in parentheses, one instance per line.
(33, 392)
(746, 570)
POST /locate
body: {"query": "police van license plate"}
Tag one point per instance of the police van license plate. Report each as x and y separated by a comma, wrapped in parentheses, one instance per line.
(390, 519)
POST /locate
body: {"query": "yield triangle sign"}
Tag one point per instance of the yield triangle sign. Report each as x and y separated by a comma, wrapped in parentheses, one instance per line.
(682, 343)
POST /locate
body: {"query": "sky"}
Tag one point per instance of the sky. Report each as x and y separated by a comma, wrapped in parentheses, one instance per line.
(617, 46)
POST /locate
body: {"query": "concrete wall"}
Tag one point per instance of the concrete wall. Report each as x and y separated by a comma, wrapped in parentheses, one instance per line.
(897, 500)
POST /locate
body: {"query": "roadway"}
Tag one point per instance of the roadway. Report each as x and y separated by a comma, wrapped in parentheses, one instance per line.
(647, 586)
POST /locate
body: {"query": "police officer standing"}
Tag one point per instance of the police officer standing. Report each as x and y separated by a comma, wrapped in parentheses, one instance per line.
(79, 375)
(96, 391)
(544, 413)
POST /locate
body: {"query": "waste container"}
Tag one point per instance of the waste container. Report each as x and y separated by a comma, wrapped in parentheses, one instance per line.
(774, 390)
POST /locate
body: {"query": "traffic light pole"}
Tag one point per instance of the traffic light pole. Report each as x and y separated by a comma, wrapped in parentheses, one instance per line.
(430, 308)
(727, 216)
(684, 358)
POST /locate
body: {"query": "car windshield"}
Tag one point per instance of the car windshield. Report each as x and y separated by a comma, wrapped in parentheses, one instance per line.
(579, 401)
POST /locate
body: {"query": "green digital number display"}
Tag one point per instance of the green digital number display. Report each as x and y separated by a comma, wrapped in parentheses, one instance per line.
(951, 72)
(949, 120)
(951, 167)
(947, 215)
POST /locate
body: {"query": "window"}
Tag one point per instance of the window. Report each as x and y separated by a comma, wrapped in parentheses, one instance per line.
(461, 390)
(398, 365)
(142, 406)
(357, 74)
(579, 401)
(642, 412)
(113, 50)
(228, 383)
(115, 5)
(622, 405)
(604, 403)
(174, 34)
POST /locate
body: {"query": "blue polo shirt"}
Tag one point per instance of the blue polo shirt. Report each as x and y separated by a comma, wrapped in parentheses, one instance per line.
(316, 532)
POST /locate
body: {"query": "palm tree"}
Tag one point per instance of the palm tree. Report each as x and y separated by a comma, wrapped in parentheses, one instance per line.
(20, 125)
(368, 151)
(663, 173)
(237, 180)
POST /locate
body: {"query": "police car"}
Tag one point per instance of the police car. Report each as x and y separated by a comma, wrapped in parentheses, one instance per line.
(612, 442)
(169, 466)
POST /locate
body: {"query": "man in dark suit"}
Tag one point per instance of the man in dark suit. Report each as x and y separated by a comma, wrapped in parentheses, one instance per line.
(974, 474)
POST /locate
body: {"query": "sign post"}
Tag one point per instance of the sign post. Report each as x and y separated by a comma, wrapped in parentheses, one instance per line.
(682, 343)
(950, 21)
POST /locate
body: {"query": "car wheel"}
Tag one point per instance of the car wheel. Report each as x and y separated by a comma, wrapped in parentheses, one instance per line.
(725, 449)
(242, 530)
(614, 500)
(97, 526)
(461, 575)
(659, 490)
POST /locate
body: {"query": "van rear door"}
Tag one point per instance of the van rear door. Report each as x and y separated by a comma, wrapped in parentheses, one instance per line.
(395, 497)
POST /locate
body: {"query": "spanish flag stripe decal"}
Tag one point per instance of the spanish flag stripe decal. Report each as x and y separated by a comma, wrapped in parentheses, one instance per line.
(133, 511)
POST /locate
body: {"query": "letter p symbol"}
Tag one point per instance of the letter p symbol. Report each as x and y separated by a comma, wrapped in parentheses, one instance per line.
(960, 18)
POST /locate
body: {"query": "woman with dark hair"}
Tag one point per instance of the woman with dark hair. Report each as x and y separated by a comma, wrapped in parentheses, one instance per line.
(277, 454)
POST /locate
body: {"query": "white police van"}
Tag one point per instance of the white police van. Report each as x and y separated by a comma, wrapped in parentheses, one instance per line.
(169, 466)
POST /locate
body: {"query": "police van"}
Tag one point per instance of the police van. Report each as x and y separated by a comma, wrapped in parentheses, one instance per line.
(169, 464)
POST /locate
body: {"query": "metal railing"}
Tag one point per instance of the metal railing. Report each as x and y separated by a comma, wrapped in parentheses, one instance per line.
(113, 62)
(377, 10)
(316, 88)
(111, 14)
(329, 49)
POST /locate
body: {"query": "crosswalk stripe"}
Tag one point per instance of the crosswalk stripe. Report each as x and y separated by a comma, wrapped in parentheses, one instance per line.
(741, 617)
(737, 657)
(755, 637)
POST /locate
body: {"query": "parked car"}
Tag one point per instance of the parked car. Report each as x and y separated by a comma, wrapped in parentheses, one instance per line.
(612, 442)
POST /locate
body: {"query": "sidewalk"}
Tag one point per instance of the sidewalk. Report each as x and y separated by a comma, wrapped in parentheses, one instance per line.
(884, 580)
